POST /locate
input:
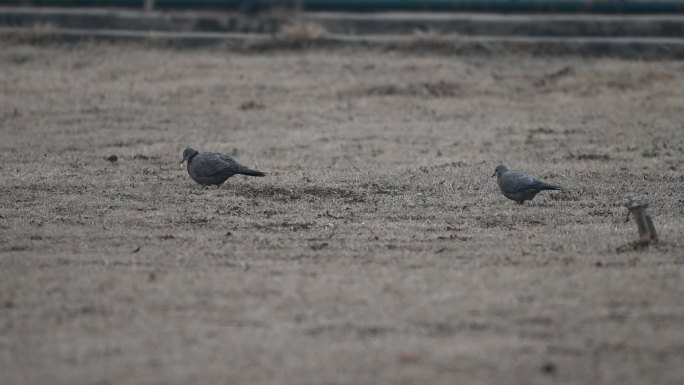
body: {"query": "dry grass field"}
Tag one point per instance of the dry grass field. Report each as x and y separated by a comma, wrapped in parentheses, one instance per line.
(378, 249)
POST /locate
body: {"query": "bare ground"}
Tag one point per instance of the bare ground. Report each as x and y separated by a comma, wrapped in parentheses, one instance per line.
(376, 251)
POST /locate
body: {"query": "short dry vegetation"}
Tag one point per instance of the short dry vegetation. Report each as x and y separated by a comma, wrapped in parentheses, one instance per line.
(377, 249)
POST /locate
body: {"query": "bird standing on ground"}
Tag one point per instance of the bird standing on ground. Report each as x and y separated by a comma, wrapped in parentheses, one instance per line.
(209, 168)
(519, 186)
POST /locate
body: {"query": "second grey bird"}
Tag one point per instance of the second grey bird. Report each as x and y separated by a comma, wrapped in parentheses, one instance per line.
(209, 168)
(519, 186)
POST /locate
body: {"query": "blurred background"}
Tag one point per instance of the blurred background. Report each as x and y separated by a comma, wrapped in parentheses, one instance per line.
(652, 25)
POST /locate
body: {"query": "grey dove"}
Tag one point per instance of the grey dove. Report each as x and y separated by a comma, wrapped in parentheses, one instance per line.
(519, 186)
(209, 168)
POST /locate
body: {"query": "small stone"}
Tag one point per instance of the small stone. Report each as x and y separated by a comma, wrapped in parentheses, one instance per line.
(549, 368)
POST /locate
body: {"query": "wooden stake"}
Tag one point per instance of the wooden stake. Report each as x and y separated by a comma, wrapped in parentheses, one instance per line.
(647, 232)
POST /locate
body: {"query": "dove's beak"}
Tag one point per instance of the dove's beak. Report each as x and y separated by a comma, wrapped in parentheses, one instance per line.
(493, 175)
(181, 162)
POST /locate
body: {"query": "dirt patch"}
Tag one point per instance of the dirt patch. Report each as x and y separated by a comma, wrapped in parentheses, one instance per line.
(378, 248)
(437, 90)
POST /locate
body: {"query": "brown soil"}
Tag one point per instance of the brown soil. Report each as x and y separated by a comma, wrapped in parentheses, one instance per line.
(378, 249)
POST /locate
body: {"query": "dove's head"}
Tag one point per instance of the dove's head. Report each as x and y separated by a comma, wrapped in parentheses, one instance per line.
(188, 154)
(499, 170)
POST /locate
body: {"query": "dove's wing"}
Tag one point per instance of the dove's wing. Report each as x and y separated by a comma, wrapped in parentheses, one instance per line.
(515, 181)
(212, 164)
(223, 157)
(234, 167)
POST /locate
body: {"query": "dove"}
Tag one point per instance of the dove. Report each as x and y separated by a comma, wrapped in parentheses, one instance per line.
(519, 186)
(213, 168)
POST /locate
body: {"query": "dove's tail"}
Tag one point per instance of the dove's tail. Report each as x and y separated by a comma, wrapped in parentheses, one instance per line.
(548, 186)
(250, 172)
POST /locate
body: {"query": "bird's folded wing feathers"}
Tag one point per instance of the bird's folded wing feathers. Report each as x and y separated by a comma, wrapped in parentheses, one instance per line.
(222, 157)
(516, 181)
(212, 164)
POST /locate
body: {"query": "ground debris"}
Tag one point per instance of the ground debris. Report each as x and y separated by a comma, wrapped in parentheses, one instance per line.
(144, 157)
(318, 246)
(633, 246)
(553, 76)
(589, 156)
(251, 105)
(439, 89)
(549, 368)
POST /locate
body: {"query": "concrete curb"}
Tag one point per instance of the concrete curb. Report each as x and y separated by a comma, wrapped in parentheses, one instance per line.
(351, 23)
(634, 48)
(633, 36)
